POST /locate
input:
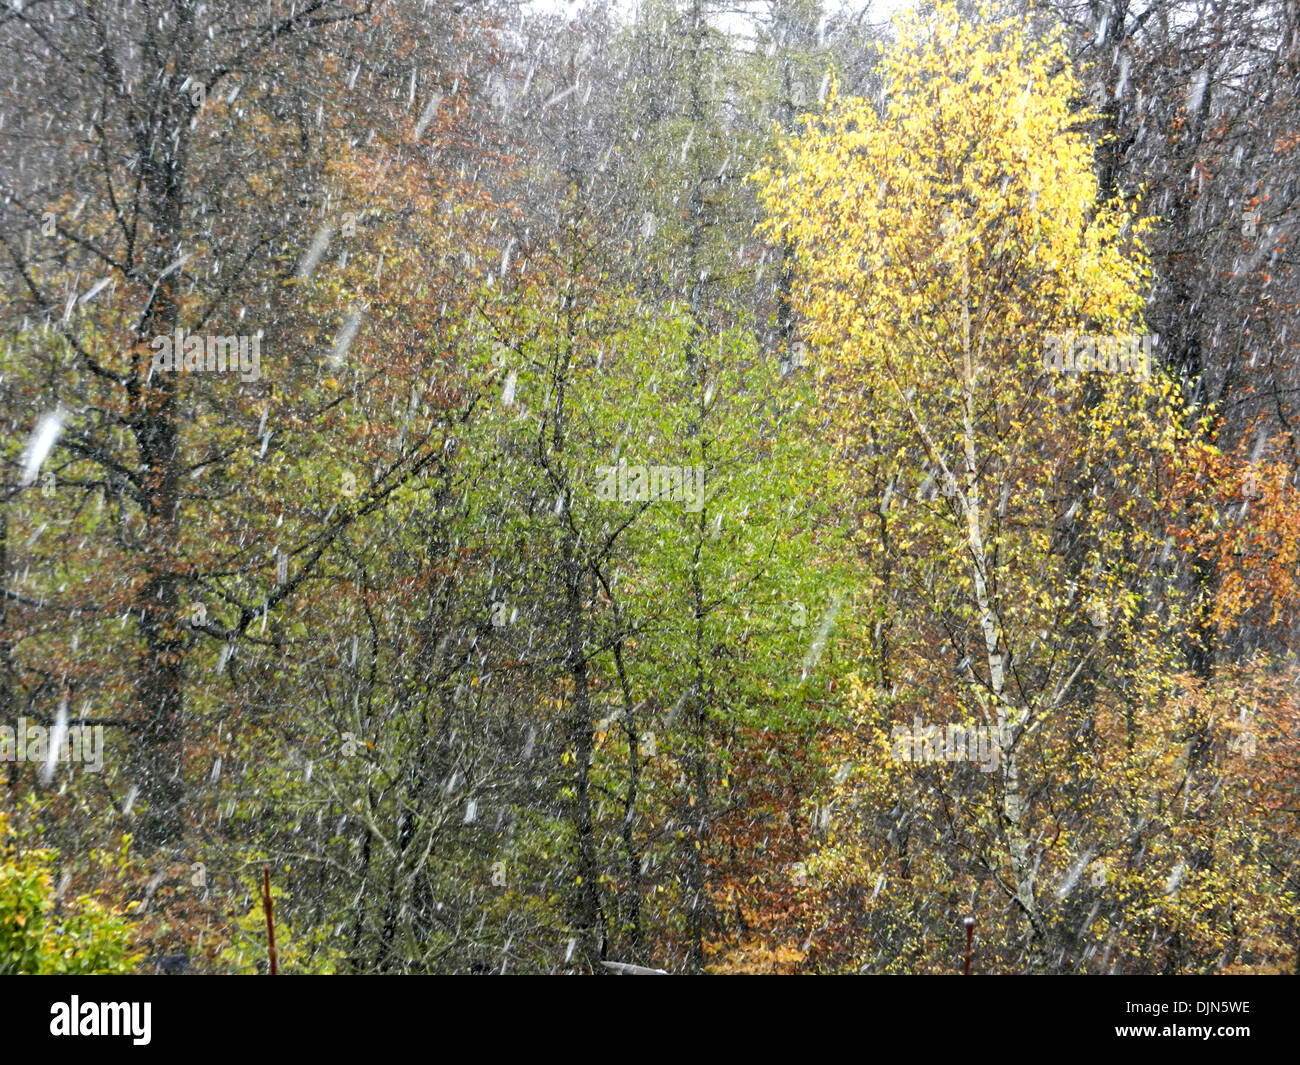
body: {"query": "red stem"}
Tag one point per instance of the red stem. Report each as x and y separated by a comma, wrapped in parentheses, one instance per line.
(269, 907)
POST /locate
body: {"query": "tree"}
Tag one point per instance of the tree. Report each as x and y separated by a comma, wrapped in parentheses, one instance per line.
(184, 192)
(943, 241)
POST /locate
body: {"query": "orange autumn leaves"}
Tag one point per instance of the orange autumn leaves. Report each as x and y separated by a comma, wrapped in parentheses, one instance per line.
(1243, 518)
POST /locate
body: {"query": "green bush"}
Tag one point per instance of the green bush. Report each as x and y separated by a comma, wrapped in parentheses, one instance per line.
(38, 936)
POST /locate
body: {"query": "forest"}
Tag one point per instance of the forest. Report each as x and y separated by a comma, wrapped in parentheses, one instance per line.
(683, 486)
